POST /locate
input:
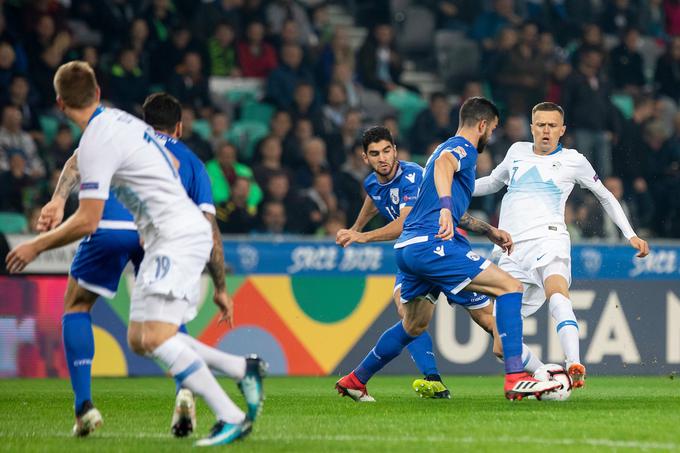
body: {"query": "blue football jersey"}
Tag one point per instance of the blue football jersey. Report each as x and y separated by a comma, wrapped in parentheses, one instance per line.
(400, 192)
(423, 220)
(114, 211)
(192, 173)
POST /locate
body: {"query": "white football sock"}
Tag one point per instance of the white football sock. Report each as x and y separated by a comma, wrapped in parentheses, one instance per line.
(233, 366)
(567, 328)
(184, 363)
(530, 362)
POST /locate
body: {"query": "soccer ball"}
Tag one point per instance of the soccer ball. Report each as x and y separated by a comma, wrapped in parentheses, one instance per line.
(554, 372)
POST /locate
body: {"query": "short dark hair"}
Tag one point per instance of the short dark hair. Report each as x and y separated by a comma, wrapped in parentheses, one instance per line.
(374, 135)
(477, 109)
(547, 107)
(162, 111)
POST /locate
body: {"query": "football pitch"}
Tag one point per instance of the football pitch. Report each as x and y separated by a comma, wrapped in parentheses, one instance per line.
(306, 415)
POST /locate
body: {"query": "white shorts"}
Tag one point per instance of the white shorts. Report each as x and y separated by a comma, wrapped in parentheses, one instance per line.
(167, 287)
(532, 261)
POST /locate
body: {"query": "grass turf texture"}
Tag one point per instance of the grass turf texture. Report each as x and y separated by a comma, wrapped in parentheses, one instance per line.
(306, 414)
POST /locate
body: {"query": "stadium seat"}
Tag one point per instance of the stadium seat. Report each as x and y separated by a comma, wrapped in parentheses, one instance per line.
(457, 57)
(257, 111)
(624, 103)
(408, 104)
(245, 135)
(13, 223)
(49, 126)
(202, 128)
(414, 33)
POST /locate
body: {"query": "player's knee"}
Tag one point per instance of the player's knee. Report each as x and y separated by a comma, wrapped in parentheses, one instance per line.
(78, 302)
(415, 327)
(510, 285)
(135, 344)
(498, 350)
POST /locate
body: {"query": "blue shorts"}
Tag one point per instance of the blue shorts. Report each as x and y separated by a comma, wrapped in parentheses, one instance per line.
(101, 258)
(468, 299)
(432, 267)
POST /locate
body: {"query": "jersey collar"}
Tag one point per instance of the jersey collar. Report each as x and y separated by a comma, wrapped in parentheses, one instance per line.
(97, 111)
(557, 150)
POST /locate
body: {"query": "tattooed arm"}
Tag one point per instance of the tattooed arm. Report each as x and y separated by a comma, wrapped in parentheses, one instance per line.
(52, 213)
(498, 237)
(216, 268)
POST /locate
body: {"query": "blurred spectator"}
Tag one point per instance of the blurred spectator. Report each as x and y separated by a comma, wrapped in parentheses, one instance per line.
(13, 138)
(128, 85)
(219, 129)
(619, 15)
(340, 144)
(379, 65)
(335, 109)
(489, 23)
(667, 75)
(322, 28)
(222, 52)
(18, 95)
(591, 38)
(190, 86)
(611, 231)
(334, 223)
(268, 161)
(7, 65)
(350, 180)
(672, 13)
(138, 40)
(652, 19)
(514, 129)
(282, 82)
(314, 156)
(292, 151)
(626, 63)
(46, 47)
(256, 57)
(342, 74)
(454, 14)
(471, 89)
(237, 215)
(167, 56)
(663, 157)
(210, 14)
(194, 141)
(273, 218)
(319, 202)
(337, 52)
(279, 11)
(305, 106)
(505, 40)
(278, 190)
(522, 73)
(62, 148)
(290, 35)
(160, 18)
(432, 124)
(13, 181)
(558, 77)
(391, 123)
(590, 114)
(223, 171)
(252, 10)
(631, 159)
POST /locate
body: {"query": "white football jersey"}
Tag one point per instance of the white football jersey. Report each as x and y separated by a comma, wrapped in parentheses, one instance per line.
(538, 188)
(120, 152)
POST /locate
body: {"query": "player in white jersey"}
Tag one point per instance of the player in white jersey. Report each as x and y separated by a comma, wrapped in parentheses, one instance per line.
(540, 176)
(120, 152)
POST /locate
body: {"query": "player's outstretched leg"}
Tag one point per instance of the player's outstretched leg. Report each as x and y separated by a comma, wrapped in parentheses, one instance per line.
(389, 345)
(431, 385)
(508, 292)
(562, 312)
(193, 373)
(184, 416)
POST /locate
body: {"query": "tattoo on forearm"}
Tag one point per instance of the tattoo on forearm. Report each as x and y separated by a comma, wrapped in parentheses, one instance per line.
(68, 180)
(216, 263)
(475, 225)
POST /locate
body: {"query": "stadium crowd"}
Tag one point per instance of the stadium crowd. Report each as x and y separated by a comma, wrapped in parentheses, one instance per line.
(288, 160)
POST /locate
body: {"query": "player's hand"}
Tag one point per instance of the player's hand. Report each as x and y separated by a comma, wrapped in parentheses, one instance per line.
(21, 256)
(445, 225)
(501, 238)
(51, 215)
(226, 305)
(346, 237)
(640, 245)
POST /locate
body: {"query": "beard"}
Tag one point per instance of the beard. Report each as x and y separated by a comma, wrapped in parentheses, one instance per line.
(481, 144)
(385, 173)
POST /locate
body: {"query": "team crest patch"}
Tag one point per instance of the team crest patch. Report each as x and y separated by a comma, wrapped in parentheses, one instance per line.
(460, 151)
(556, 165)
(89, 186)
(472, 255)
(394, 195)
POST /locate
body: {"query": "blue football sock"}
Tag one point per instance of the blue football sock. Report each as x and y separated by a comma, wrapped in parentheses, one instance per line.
(389, 345)
(421, 353)
(178, 383)
(509, 321)
(79, 347)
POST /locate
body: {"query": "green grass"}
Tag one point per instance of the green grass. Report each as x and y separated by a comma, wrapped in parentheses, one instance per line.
(306, 415)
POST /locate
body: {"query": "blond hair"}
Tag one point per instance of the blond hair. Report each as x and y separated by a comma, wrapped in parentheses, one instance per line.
(76, 84)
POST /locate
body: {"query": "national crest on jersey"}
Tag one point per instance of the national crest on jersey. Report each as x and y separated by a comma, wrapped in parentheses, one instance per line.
(396, 194)
(423, 221)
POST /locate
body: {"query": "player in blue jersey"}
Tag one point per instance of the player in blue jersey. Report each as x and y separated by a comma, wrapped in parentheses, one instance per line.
(99, 263)
(392, 190)
(433, 259)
